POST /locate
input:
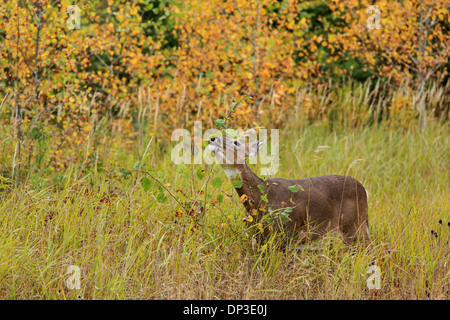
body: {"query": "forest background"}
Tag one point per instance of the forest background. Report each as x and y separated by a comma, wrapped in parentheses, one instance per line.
(88, 107)
(146, 67)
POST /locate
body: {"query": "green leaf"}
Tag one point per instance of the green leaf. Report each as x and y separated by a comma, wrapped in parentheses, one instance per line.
(161, 197)
(231, 133)
(221, 123)
(137, 165)
(293, 188)
(146, 184)
(217, 182)
(237, 182)
(220, 198)
(261, 188)
(284, 216)
(125, 173)
(200, 173)
(264, 198)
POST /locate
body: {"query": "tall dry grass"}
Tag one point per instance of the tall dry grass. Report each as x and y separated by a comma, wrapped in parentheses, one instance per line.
(130, 246)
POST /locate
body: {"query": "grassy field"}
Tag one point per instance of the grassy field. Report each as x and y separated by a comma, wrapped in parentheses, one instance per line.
(130, 243)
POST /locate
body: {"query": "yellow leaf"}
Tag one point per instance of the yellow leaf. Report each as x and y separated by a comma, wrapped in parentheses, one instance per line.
(110, 27)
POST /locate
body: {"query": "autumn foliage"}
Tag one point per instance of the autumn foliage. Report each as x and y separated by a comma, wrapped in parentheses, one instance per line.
(147, 67)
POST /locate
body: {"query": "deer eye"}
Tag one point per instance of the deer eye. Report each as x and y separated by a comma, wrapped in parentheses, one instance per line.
(236, 143)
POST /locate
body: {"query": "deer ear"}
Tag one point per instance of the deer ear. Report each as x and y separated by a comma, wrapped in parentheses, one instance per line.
(254, 148)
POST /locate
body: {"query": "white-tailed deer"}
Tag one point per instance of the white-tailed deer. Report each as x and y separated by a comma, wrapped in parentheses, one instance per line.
(331, 204)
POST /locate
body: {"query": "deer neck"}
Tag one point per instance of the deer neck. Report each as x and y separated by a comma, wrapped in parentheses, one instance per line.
(250, 180)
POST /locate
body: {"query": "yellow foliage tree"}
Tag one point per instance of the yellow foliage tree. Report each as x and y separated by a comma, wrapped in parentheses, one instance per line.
(402, 40)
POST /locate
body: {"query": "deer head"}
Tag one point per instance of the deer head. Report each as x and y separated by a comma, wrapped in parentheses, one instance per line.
(231, 153)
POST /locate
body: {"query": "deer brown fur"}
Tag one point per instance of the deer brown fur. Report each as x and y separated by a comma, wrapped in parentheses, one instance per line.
(332, 204)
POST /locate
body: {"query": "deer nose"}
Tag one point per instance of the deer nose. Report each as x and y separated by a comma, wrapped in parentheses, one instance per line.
(212, 139)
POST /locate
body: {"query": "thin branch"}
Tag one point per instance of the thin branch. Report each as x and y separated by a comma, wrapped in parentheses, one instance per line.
(26, 61)
(407, 65)
(17, 111)
(165, 188)
(6, 96)
(413, 59)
